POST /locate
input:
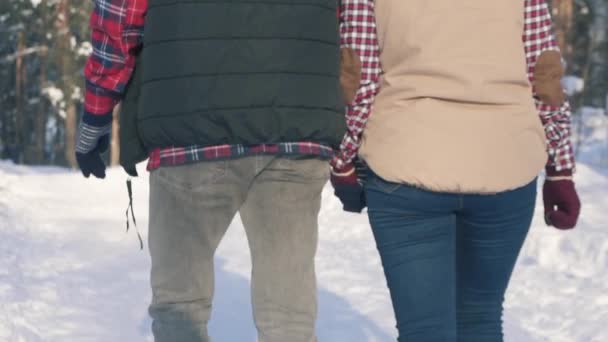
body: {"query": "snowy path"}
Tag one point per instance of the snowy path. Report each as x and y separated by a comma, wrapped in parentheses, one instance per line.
(68, 271)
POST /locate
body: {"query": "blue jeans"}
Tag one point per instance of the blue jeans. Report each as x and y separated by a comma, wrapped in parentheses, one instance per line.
(447, 257)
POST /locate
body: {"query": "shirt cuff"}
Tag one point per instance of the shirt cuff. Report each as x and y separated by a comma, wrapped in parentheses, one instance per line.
(553, 171)
(98, 100)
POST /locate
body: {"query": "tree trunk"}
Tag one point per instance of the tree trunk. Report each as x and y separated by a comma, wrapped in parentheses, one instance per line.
(563, 20)
(67, 67)
(115, 143)
(70, 135)
(19, 100)
(40, 124)
(597, 84)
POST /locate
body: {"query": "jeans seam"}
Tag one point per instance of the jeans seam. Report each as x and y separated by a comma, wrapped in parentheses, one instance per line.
(257, 165)
(378, 184)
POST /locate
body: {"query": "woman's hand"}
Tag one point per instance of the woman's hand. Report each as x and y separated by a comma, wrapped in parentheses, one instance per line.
(561, 201)
(348, 188)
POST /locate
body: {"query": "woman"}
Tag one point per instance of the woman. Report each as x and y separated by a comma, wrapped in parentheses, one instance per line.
(454, 147)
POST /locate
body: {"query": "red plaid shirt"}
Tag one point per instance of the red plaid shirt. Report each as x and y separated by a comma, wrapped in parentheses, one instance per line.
(117, 34)
(538, 37)
(358, 31)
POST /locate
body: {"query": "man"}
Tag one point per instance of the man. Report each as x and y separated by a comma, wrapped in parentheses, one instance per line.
(238, 107)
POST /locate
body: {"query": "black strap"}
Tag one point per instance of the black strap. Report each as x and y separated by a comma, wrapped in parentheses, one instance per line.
(130, 207)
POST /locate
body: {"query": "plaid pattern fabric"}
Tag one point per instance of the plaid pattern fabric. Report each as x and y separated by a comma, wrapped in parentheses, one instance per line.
(358, 31)
(193, 154)
(116, 33)
(538, 37)
(557, 129)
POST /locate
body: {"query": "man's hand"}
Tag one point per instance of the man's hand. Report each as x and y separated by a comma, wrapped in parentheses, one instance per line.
(348, 189)
(561, 201)
(91, 162)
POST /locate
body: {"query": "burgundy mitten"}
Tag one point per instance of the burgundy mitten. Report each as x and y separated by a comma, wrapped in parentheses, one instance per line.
(348, 189)
(562, 205)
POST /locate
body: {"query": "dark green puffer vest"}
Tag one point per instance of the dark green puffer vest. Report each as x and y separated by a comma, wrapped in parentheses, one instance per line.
(247, 72)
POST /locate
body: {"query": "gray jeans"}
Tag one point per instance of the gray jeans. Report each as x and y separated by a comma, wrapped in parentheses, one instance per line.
(191, 208)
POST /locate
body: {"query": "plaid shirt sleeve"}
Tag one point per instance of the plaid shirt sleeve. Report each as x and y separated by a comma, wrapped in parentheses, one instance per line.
(538, 37)
(358, 31)
(117, 32)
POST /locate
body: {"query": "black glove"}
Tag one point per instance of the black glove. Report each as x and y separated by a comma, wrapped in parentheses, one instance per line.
(91, 162)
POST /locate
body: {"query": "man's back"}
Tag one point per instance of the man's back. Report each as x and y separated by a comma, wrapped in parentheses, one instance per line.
(240, 72)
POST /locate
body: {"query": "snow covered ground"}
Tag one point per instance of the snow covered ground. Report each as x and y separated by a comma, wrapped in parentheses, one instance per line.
(69, 272)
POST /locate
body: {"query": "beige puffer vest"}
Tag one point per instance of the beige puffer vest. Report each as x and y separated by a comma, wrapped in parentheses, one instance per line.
(455, 112)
